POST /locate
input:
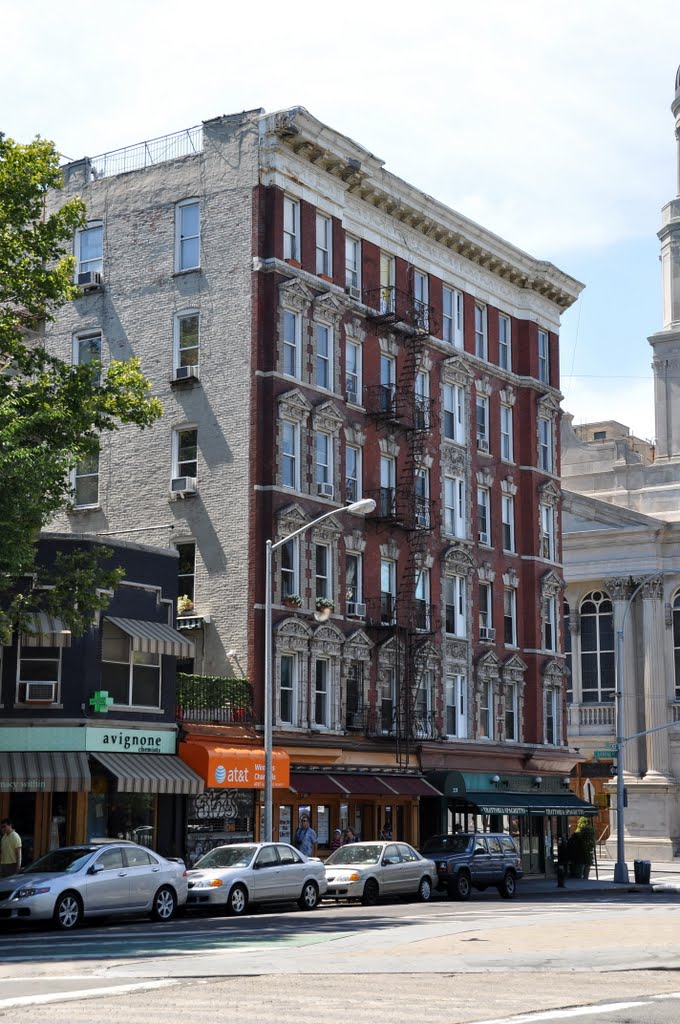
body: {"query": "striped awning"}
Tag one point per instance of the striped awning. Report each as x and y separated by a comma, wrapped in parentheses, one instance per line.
(45, 631)
(151, 773)
(44, 771)
(154, 637)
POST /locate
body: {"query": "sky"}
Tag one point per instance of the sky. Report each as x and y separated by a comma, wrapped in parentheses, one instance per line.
(548, 123)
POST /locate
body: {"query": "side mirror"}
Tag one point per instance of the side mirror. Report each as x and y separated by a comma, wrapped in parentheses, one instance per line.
(479, 851)
(94, 869)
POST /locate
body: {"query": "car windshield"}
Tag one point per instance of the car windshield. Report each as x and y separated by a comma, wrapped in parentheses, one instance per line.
(446, 844)
(356, 853)
(227, 857)
(61, 861)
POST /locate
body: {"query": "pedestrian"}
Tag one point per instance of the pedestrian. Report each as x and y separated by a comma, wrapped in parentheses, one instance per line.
(336, 842)
(305, 839)
(349, 837)
(10, 849)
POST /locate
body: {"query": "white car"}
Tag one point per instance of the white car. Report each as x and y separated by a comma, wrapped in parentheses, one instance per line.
(94, 880)
(235, 876)
(368, 871)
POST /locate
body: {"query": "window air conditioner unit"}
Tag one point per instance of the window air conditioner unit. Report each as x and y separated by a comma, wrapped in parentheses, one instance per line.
(325, 490)
(356, 609)
(351, 396)
(486, 633)
(354, 293)
(41, 693)
(183, 485)
(186, 373)
(89, 280)
(482, 443)
(484, 538)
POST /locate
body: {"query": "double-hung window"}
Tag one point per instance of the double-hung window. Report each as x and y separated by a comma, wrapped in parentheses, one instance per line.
(506, 433)
(322, 560)
(291, 229)
(456, 700)
(543, 357)
(511, 712)
(87, 348)
(484, 515)
(481, 342)
(353, 582)
(324, 245)
(508, 521)
(132, 678)
(545, 444)
(289, 560)
(485, 616)
(288, 688)
(454, 506)
(89, 250)
(39, 668)
(482, 415)
(421, 300)
(388, 473)
(352, 473)
(547, 532)
(186, 339)
(290, 451)
(185, 453)
(324, 356)
(447, 315)
(353, 390)
(387, 384)
(422, 401)
(292, 344)
(551, 717)
(549, 624)
(187, 235)
(388, 589)
(322, 692)
(486, 701)
(422, 596)
(510, 616)
(387, 283)
(422, 498)
(388, 700)
(504, 343)
(353, 265)
(323, 454)
(454, 413)
(454, 605)
(186, 570)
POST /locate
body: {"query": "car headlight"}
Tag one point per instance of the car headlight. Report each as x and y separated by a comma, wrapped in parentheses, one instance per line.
(207, 883)
(30, 890)
(347, 876)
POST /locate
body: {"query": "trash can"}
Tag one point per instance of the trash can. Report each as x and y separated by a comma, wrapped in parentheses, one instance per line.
(642, 869)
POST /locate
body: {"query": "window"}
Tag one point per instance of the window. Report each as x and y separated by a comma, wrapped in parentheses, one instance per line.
(482, 414)
(447, 315)
(486, 730)
(511, 712)
(543, 357)
(484, 515)
(547, 532)
(324, 245)
(324, 357)
(599, 435)
(454, 413)
(355, 695)
(421, 300)
(322, 693)
(566, 614)
(456, 700)
(87, 348)
(597, 649)
(353, 389)
(506, 433)
(353, 581)
(292, 344)
(422, 596)
(387, 488)
(323, 449)
(85, 480)
(38, 665)
(485, 619)
(352, 263)
(186, 336)
(353, 488)
(549, 624)
(454, 605)
(89, 251)
(551, 717)
(289, 568)
(291, 229)
(508, 521)
(132, 678)
(186, 570)
(388, 577)
(387, 384)
(454, 506)
(481, 348)
(187, 235)
(387, 282)
(510, 616)
(185, 453)
(322, 561)
(423, 706)
(290, 447)
(288, 688)
(545, 445)
(504, 349)
(422, 499)
(676, 642)
(422, 401)
(388, 702)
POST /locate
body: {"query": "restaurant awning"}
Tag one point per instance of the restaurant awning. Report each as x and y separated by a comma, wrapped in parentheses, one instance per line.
(151, 773)
(544, 804)
(350, 784)
(154, 637)
(44, 771)
(45, 631)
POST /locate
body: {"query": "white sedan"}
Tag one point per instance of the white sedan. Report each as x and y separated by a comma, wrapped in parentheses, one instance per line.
(368, 871)
(235, 876)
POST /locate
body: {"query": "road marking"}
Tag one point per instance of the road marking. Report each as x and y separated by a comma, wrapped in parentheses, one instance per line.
(85, 993)
(578, 1011)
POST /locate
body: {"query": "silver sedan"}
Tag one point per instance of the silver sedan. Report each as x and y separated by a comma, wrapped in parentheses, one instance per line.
(234, 876)
(368, 871)
(91, 880)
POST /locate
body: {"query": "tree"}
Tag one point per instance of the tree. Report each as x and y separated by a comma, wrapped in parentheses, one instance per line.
(51, 412)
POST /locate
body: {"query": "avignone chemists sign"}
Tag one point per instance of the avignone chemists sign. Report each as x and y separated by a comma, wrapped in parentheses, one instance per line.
(89, 738)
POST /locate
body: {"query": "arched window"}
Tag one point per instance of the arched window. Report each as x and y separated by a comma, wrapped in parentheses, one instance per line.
(567, 651)
(676, 642)
(597, 649)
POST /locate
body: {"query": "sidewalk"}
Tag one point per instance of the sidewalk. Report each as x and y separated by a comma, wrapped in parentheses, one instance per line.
(664, 878)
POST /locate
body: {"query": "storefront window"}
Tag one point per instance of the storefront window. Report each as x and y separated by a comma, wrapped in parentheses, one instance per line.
(285, 823)
(323, 825)
(113, 815)
(218, 817)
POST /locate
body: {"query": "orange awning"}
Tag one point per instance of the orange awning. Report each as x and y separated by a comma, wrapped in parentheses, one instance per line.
(234, 767)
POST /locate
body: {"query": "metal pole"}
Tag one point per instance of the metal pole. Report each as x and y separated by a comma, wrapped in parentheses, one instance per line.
(621, 868)
(268, 696)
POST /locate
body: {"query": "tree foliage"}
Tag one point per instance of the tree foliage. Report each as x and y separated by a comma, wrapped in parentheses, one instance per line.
(52, 413)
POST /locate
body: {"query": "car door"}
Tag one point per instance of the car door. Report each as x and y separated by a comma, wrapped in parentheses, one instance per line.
(145, 874)
(392, 870)
(107, 888)
(267, 875)
(496, 871)
(479, 866)
(293, 870)
(412, 868)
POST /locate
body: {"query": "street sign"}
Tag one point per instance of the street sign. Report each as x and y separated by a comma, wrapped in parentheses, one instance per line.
(605, 755)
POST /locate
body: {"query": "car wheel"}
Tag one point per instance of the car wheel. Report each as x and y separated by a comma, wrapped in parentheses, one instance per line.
(424, 890)
(164, 905)
(237, 901)
(309, 898)
(68, 911)
(461, 888)
(371, 893)
(508, 886)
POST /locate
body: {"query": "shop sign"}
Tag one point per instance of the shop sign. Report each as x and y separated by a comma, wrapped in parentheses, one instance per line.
(56, 738)
(132, 741)
(234, 767)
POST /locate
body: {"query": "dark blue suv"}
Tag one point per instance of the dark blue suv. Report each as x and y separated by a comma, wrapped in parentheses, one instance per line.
(475, 860)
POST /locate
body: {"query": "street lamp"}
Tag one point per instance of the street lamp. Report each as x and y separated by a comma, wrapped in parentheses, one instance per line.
(362, 507)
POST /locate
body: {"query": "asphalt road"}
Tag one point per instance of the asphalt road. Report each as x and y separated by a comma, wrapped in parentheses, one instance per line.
(606, 959)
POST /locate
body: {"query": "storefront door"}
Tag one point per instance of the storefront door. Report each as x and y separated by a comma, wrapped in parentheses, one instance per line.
(531, 844)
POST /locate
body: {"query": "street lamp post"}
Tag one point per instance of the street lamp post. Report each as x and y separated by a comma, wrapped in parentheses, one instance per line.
(362, 507)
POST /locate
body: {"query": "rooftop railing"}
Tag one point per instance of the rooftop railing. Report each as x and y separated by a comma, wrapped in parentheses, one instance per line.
(146, 154)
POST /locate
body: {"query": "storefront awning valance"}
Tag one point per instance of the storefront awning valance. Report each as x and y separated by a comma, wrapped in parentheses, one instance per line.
(44, 771)
(361, 785)
(154, 637)
(151, 773)
(46, 631)
(544, 804)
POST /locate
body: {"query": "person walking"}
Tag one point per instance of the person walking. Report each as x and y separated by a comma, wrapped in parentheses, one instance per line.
(305, 839)
(10, 849)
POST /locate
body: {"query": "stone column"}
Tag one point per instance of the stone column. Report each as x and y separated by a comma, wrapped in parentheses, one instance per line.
(656, 701)
(619, 589)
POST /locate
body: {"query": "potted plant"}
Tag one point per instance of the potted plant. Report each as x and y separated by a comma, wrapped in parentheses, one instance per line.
(184, 605)
(292, 601)
(324, 607)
